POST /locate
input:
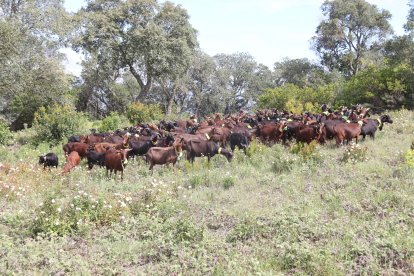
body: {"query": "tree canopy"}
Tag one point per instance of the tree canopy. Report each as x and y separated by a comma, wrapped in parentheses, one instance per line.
(31, 74)
(148, 39)
(351, 29)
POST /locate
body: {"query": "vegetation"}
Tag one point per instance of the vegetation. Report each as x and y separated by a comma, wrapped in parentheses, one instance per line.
(273, 211)
(5, 133)
(351, 31)
(139, 113)
(112, 122)
(296, 99)
(57, 122)
(307, 209)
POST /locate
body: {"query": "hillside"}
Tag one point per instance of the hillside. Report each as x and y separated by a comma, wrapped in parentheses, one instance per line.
(268, 212)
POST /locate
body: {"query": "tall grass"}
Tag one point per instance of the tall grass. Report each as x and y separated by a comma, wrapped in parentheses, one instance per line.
(278, 210)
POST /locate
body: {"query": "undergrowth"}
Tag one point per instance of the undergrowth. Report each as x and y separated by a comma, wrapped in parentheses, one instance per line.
(302, 209)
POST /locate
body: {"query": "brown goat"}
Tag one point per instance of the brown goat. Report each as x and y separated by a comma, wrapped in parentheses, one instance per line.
(79, 147)
(347, 131)
(116, 160)
(72, 160)
(165, 155)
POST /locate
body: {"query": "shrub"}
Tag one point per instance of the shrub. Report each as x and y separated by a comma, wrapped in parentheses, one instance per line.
(354, 153)
(184, 231)
(57, 122)
(83, 210)
(5, 134)
(138, 113)
(306, 151)
(282, 164)
(255, 147)
(111, 122)
(247, 229)
(296, 99)
(409, 158)
(228, 182)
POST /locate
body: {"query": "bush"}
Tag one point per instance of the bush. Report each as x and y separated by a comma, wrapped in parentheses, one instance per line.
(228, 182)
(112, 122)
(83, 210)
(304, 150)
(355, 153)
(296, 99)
(138, 113)
(409, 158)
(57, 122)
(247, 229)
(184, 231)
(5, 134)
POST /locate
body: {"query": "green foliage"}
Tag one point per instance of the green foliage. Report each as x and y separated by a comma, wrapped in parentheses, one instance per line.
(245, 230)
(409, 157)
(327, 219)
(300, 72)
(355, 153)
(228, 182)
(306, 151)
(112, 122)
(55, 217)
(383, 87)
(362, 25)
(184, 231)
(5, 134)
(138, 113)
(31, 73)
(159, 39)
(282, 164)
(296, 99)
(254, 148)
(55, 123)
(239, 72)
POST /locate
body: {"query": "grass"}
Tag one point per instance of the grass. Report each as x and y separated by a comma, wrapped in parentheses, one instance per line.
(303, 210)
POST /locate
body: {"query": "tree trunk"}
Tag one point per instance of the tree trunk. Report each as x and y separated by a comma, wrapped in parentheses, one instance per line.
(170, 104)
(170, 100)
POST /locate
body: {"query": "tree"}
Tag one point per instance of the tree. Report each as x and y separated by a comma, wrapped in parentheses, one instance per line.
(351, 30)
(148, 39)
(400, 49)
(300, 72)
(103, 91)
(385, 87)
(203, 97)
(31, 74)
(238, 78)
(409, 26)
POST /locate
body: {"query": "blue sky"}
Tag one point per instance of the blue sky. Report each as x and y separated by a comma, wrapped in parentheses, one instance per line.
(269, 30)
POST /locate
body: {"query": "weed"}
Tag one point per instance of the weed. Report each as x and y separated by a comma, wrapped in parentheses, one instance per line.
(228, 182)
(354, 153)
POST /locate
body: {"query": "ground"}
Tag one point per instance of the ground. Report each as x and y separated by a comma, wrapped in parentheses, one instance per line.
(280, 210)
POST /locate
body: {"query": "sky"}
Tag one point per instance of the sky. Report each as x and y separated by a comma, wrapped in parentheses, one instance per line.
(269, 30)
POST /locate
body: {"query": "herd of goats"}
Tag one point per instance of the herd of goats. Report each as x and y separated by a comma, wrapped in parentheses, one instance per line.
(164, 143)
